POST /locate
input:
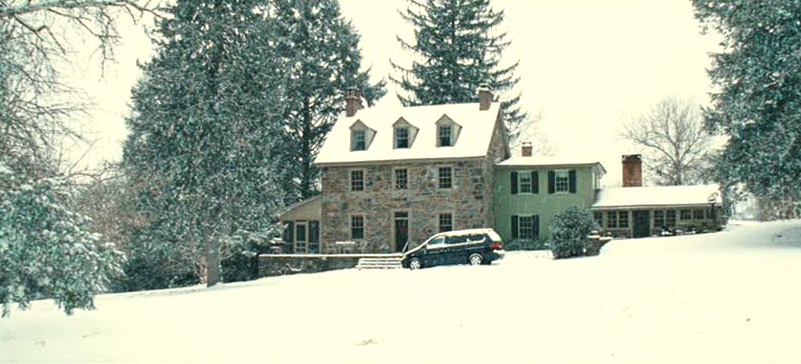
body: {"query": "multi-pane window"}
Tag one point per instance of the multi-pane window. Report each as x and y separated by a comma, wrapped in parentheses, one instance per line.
(611, 220)
(524, 181)
(401, 179)
(357, 227)
(358, 140)
(670, 218)
(686, 214)
(445, 222)
(659, 219)
(401, 137)
(357, 180)
(698, 214)
(445, 177)
(623, 219)
(445, 135)
(599, 217)
(525, 229)
(561, 181)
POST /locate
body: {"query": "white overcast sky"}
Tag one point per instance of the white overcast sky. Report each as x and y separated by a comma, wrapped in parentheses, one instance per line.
(584, 64)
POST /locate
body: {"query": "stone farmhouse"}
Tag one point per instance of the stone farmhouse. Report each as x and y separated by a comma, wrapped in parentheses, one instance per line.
(392, 176)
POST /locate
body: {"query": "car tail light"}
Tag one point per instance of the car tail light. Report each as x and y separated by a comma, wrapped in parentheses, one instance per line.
(496, 246)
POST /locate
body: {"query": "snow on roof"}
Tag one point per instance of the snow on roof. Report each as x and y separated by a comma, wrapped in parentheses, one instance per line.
(473, 139)
(657, 196)
(549, 161)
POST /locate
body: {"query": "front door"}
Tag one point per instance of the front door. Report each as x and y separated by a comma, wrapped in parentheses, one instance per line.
(401, 230)
(642, 223)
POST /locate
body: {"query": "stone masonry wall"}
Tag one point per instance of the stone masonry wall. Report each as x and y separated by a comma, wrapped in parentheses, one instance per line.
(469, 200)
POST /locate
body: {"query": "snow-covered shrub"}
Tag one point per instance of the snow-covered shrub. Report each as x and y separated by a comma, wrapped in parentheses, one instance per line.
(518, 244)
(47, 250)
(156, 266)
(569, 232)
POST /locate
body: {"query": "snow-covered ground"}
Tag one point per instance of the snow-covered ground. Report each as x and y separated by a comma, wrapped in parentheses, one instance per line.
(726, 297)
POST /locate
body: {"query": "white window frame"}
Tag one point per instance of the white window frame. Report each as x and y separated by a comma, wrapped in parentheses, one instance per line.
(527, 227)
(521, 184)
(398, 138)
(353, 226)
(441, 135)
(439, 221)
(561, 181)
(440, 179)
(355, 140)
(395, 178)
(352, 180)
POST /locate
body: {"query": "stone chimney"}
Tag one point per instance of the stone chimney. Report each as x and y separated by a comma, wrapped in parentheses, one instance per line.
(632, 170)
(353, 102)
(527, 149)
(484, 97)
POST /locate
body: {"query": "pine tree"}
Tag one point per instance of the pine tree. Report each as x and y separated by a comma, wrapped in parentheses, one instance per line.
(758, 94)
(202, 136)
(456, 51)
(322, 51)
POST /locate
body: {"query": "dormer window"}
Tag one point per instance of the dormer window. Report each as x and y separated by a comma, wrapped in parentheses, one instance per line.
(358, 140)
(404, 134)
(445, 136)
(401, 137)
(447, 132)
(360, 136)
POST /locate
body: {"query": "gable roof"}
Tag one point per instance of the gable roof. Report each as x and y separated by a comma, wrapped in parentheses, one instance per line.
(551, 161)
(474, 137)
(661, 196)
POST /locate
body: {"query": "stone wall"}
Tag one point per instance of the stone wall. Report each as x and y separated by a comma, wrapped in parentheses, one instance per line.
(469, 200)
(278, 264)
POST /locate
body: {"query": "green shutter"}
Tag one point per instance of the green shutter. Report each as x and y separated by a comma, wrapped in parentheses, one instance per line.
(513, 178)
(515, 221)
(535, 221)
(535, 182)
(572, 178)
(551, 181)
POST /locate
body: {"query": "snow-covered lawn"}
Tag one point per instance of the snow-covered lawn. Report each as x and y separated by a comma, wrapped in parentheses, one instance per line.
(726, 297)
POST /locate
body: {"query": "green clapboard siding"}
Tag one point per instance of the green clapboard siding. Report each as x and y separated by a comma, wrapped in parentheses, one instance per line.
(543, 204)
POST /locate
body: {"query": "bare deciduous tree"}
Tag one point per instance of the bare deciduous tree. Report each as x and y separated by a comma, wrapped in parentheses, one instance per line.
(672, 136)
(37, 38)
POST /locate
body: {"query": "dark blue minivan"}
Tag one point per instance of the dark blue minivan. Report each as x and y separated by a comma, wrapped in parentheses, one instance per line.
(473, 246)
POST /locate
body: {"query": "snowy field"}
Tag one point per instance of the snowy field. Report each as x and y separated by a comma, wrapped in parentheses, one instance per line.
(726, 297)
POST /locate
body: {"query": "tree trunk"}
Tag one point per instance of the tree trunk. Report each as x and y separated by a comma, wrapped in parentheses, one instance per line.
(212, 260)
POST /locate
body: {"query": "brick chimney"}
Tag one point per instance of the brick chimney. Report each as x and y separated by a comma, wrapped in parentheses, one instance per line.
(353, 102)
(632, 170)
(527, 149)
(484, 97)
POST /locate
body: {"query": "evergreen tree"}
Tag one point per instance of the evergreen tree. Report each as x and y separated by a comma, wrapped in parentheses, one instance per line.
(321, 50)
(456, 51)
(758, 94)
(202, 135)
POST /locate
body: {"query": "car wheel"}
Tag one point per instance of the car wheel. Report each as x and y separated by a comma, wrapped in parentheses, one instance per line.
(475, 259)
(415, 263)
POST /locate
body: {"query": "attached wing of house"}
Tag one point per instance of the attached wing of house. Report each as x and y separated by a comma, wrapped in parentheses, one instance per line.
(646, 211)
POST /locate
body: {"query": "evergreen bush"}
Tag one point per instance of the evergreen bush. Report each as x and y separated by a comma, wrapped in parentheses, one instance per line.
(569, 232)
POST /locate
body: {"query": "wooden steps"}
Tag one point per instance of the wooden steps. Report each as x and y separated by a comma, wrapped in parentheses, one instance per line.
(379, 263)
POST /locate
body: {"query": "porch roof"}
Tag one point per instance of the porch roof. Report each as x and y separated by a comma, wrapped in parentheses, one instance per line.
(308, 209)
(660, 196)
